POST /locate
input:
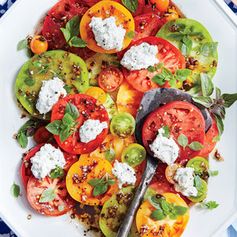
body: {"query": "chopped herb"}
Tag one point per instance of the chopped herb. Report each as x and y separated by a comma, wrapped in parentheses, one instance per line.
(166, 131)
(72, 110)
(77, 42)
(209, 205)
(213, 173)
(110, 154)
(183, 140)
(58, 172)
(195, 146)
(48, 195)
(15, 190)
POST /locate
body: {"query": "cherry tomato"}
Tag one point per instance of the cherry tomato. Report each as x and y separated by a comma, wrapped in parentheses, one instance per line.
(181, 118)
(57, 206)
(161, 5)
(110, 79)
(171, 14)
(97, 93)
(42, 135)
(38, 44)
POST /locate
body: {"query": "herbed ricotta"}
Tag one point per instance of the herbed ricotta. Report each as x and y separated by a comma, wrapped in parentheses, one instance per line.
(124, 173)
(45, 160)
(90, 129)
(107, 34)
(139, 57)
(185, 182)
(165, 149)
(49, 94)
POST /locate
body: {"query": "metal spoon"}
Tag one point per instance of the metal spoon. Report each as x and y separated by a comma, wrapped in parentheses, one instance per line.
(152, 100)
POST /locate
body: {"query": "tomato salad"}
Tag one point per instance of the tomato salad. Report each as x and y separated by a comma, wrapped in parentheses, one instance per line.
(91, 63)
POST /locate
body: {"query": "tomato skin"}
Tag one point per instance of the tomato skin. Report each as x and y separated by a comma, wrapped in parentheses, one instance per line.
(88, 109)
(42, 135)
(182, 118)
(38, 44)
(110, 79)
(161, 5)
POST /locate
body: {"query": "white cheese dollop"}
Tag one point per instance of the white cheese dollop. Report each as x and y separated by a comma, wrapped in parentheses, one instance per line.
(45, 160)
(107, 34)
(165, 149)
(124, 173)
(91, 129)
(139, 57)
(49, 94)
(185, 182)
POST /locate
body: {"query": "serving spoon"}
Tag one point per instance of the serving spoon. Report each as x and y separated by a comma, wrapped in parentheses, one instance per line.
(152, 100)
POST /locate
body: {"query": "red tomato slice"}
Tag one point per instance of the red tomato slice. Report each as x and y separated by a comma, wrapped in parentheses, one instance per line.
(42, 135)
(209, 144)
(168, 54)
(182, 118)
(147, 25)
(25, 169)
(88, 109)
(110, 79)
(60, 205)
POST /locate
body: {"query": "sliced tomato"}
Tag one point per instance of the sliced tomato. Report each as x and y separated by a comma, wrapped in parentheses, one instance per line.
(168, 54)
(147, 25)
(60, 205)
(181, 118)
(110, 79)
(209, 140)
(88, 109)
(42, 135)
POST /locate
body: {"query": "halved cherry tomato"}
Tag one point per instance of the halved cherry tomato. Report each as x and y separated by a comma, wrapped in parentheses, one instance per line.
(163, 228)
(209, 140)
(181, 118)
(42, 135)
(161, 5)
(106, 9)
(128, 99)
(38, 44)
(60, 204)
(97, 93)
(81, 173)
(88, 109)
(170, 172)
(110, 79)
(168, 54)
(171, 14)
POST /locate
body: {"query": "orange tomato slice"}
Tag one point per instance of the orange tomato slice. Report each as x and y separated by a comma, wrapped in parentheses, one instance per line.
(148, 227)
(97, 93)
(81, 172)
(105, 9)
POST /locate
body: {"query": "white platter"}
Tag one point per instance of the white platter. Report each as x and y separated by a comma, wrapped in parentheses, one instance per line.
(20, 21)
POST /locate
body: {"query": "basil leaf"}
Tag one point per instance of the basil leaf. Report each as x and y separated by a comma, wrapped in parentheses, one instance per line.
(72, 110)
(68, 120)
(94, 182)
(220, 124)
(175, 36)
(66, 34)
(159, 79)
(158, 215)
(166, 131)
(197, 182)
(208, 49)
(130, 34)
(182, 74)
(68, 89)
(229, 99)
(22, 139)
(155, 202)
(218, 93)
(195, 146)
(180, 211)
(186, 45)
(48, 195)
(73, 26)
(213, 173)
(29, 81)
(15, 190)
(110, 155)
(65, 133)
(151, 69)
(210, 205)
(165, 206)
(23, 44)
(182, 140)
(100, 189)
(205, 101)
(111, 182)
(131, 5)
(77, 42)
(54, 127)
(206, 85)
(57, 173)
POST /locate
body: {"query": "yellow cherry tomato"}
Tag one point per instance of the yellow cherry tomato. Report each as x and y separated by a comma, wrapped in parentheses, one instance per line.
(171, 14)
(161, 5)
(38, 44)
(97, 93)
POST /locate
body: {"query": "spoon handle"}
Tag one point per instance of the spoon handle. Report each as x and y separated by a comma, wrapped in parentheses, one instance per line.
(146, 179)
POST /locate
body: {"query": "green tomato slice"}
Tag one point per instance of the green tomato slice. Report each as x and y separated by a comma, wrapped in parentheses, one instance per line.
(57, 63)
(199, 164)
(114, 210)
(195, 42)
(134, 154)
(202, 192)
(122, 125)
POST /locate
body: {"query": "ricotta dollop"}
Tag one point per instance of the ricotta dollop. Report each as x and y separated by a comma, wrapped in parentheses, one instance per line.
(165, 149)
(124, 173)
(45, 160)
(90, 129)
(139, 57)
(107, 34)
(50, 92)
(185, 182)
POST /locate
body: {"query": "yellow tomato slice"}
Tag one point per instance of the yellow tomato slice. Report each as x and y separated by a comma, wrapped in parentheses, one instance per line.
(128, 99)
(81, 172)
(148, 227)
(97, 93)
(105, 9)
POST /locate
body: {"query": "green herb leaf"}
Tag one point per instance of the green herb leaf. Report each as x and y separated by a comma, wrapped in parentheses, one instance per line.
(23, 44)
(57, 173)
(48, 195)
(209, 205)
(162, 77)
(130, 34)
(183, 140)
(77, 42)
(65, 133)
(94, 182)
(213, 173)
(180, 211)
(165, 206)
(158, 215)
(182, 74)
(29, 81)
(68, 120)
(68, 89)
(54, 127)
(166, 131)
(22, 139)
(100, 189)
(205, 101)
(72, 110)
(73, 26)
(229, 99)
(206, 85)
(218, 93)
(195, 146)
(197, 182)
(66, 34)
(155, 202)
(220, 124)
(15, 190)
(110, 154)
(186, 45)
(130, 5)
(208, 49)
